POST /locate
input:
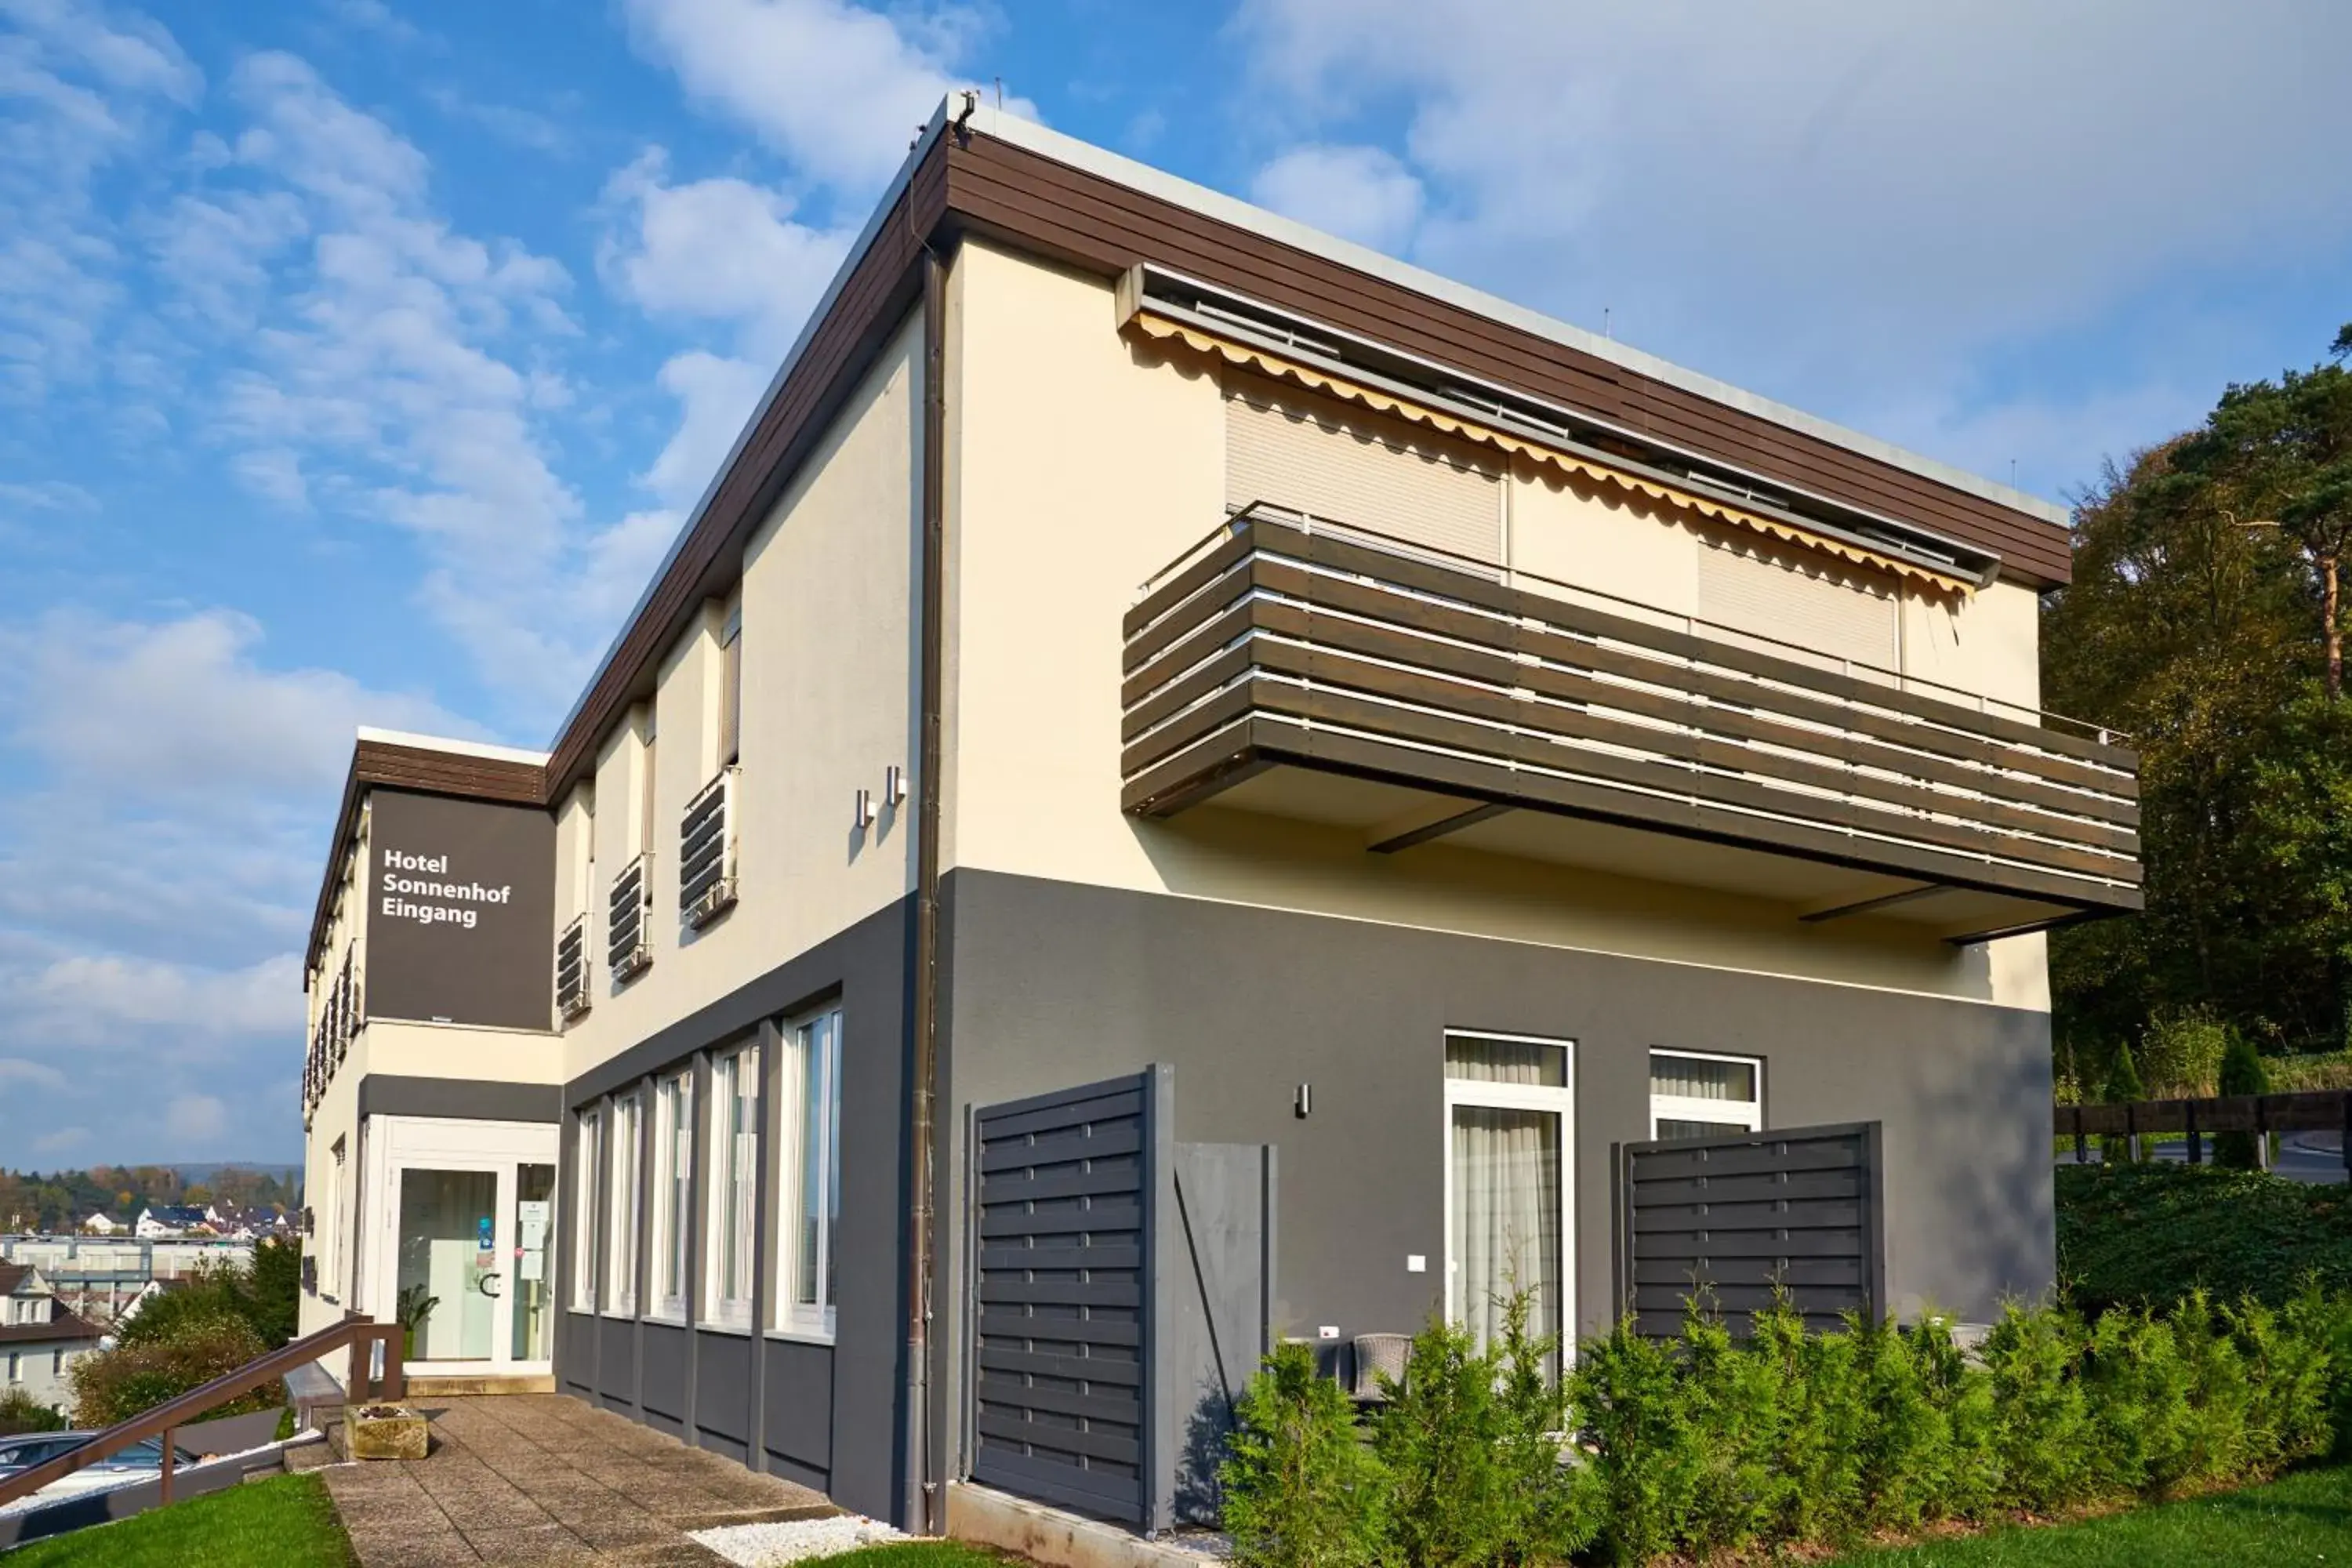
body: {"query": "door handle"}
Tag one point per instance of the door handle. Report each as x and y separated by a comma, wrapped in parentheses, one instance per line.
(483, 1285)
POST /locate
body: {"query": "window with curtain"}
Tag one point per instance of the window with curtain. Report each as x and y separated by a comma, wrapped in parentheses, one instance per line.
(1508, 1105)
(672, 1191)
(734, 1175)
(809, 1125)
(1695, 1094)
(586, 1154)
(621, 1225)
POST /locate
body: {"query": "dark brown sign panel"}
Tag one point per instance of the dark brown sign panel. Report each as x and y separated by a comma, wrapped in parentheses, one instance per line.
(461, 912)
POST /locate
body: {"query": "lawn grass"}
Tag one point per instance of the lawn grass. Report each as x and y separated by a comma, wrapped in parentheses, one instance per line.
(2306, 1518)
(286, 1521)
(913, 1554)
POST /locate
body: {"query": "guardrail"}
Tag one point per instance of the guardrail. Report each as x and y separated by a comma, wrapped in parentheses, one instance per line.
(2322, 1110)
(358, 1335)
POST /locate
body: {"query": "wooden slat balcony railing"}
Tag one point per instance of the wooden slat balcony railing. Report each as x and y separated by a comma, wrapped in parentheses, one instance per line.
(1283, 640)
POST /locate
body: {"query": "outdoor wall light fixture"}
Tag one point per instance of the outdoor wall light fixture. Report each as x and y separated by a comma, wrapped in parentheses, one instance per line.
(862, 816)
(894, 784)
(1303, 1101)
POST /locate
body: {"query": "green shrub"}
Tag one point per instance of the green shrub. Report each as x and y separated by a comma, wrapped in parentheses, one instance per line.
(114, 1384)
(1299, 1490)
(20, 1412)
(2146, 1235)
(264, 1295)
(1439, 1437)
(2123, 1087)
(2041, 1419)
(1554, 1503)
(2241, 1073)
(2180, 1055)
(1626, 1397)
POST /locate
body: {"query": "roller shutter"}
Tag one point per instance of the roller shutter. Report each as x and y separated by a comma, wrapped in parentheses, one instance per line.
(1351, 466)
(1825, 612)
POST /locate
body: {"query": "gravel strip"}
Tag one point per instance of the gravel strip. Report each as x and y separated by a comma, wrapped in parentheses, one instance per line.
(766, 1545)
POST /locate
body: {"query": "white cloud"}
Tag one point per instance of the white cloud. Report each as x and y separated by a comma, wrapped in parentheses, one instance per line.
(837, 88)
(719, 250)
(63, 1138)
(1361, 193)
(13, 1070)
(196, 1119)
(111, 1002)
(1840, 202)
(717, 396)
(185, 708)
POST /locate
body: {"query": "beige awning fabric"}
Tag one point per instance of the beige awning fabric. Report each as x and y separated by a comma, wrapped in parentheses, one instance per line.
(1265, 362)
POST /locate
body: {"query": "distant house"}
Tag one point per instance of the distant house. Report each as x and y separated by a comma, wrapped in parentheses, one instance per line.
(39, 1339)
(170, 1219)
(99, 1225)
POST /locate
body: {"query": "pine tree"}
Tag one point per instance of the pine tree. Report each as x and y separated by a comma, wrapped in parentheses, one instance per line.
(2241, 1073)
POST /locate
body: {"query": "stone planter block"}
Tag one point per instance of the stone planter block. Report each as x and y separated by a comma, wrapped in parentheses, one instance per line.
(385, 1432)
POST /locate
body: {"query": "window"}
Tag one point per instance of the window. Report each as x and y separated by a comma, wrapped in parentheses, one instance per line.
(734, 1177)
(587, 1158)
(56, 1362)
(674, 1195)
(809, 1125)
(730, 688)
(1507, 1118)
(1697, 1095)
(15, 1367)
(335, 1222)
(621, 1229)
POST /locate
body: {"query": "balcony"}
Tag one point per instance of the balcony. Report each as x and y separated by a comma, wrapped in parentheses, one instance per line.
(1291, 667)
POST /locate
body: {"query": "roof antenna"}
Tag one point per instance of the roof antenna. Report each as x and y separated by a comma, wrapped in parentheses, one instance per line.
(2013, 473)
(1000, 95)
(1604, 325)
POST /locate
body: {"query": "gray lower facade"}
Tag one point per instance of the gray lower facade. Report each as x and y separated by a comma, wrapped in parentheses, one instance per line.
(1048, 986)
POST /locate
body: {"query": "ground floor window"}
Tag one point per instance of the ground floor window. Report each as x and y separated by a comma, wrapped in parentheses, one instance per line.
(674, 1191)
(809, 1129)
(586, 1159)
(1507, 1118)
(734, 1177)
(621, 1232)
(1698, 1094)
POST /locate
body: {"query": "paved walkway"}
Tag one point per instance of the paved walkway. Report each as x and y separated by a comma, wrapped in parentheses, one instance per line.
(543, 1477)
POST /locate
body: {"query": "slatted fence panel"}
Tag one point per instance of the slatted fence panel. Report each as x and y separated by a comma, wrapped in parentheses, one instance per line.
(1742, 1216)
(1062, 1286)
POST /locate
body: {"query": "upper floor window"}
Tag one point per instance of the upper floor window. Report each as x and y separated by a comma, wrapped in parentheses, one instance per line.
(731, 687)
(808, 1130)
(1698, 1094)
(734, 1185)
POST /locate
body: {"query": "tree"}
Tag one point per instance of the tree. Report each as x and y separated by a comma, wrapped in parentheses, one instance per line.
(2241, 1073)
(2282, 449)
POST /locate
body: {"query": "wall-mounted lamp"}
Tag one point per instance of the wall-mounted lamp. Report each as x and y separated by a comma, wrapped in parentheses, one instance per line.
(894, 784)
(1303, 1101)
(863, 817)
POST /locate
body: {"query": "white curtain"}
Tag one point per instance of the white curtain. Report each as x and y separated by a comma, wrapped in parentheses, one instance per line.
(1507, 1214)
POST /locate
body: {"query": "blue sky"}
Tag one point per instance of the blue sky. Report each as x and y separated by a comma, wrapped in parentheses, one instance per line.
(358, 359)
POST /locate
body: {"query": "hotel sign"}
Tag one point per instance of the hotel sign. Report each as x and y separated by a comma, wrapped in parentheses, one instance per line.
(461, 912)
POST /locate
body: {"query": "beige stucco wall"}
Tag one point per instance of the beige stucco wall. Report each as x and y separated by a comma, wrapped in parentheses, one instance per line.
(828, 635)
(1080, 464)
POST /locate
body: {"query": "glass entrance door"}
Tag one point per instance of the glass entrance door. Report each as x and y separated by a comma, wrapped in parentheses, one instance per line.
(533, 1240)
(450, 1280)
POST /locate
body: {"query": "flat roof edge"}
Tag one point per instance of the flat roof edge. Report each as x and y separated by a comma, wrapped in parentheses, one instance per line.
(1063, 148)
(460, 748)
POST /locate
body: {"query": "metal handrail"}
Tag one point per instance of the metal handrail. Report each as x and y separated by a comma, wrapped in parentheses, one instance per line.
(1896, 680)
(159, 1422)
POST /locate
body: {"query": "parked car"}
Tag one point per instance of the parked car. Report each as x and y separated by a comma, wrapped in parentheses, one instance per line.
(31, 1448)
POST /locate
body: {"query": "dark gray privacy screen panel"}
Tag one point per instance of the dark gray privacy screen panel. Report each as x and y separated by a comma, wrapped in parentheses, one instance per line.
(1063, 1213)
(1210, 1314)
(1746, 1213)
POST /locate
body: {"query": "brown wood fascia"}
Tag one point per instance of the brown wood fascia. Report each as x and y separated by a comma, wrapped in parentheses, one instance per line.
(1027, 201)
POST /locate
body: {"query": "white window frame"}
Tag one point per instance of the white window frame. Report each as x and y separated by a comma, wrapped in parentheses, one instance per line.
(734, 1177)
(340, 1154)
(1559, 1101)
(587, 1173)
(789, 1316)
(673, 1212)
(1747, 1114)
(626, 1149)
